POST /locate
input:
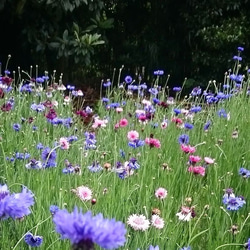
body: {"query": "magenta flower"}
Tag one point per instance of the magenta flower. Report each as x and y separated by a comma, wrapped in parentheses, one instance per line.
(153, 143)
(188, 149)
(197, 170)
(123, 122)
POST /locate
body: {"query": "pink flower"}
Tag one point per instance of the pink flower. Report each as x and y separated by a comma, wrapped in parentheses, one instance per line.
(119, 109)
(164, 125)
(208, 160)
(132, 135)
(84, 193)
(197, 170)
(138, 222)
(157, 221)
(64, 143)
(99, 123)
(161, 193)
(152, 142)
(123, 122)
(188, 149)
(194, 159)
(186, 213)
(177, 120)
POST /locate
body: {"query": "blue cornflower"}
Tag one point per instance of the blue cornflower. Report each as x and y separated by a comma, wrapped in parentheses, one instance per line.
(53, 209)
(26, 88)
(196, 91)
(143, 86)
(22, 156)
(133, 164)
(153, 248)
(240, 48)
(39, 79)
(183, 139)
(107, 84)
(207, 125)
(177, 111)
(158, 72)
(186, 248)
(132, 87)
(156, 100)
(95, 167)
(237, 58)
(128, 79)
(247, 245)
(16, 205)
(114, 105)
(234, 203)
(176, 89)
(85, 230)
(72, 138)
(136, 143)
(34, 164)
(105, 99)
(39, 146)
(16, 127)
(244, 172)
(188, 126)
(122, 153)
(70, 87)
(153, 91)
(37, 107)
(222, 113)
(195, 109)
(221, 95)
(48, 154)
(33, 240)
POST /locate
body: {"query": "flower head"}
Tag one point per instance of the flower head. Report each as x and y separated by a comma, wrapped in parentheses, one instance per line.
(161, 193)
(197, 170)
(64, 143)
(183, 139)
(138, 222)
(32, 240)
(186, 213)
(152, 142)
(84, 193)
(157, 221)
(85, 230)
(132, 135)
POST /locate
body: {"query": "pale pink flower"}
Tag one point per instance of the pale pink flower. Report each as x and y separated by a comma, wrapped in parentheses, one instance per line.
(186, 214)
(188, 149)
(194, 159)
(164, 125)
(79, 92)
(119, 109)
(84, 193)
(197, 170)
(64, 143)
(157, 221)
(99, 123)
(123, 122)
(132, 135)
(139, 112)
(208, 160)
(146, 102)
(152, 142)
(138, 222)
(161, 193)
(66, 100)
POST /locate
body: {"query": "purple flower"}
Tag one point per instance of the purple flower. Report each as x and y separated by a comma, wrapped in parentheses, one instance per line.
(176, 89)
(85, 230)
(158, 72)
(244, 172)
(196, 91)
(95, 167)
(33, 240)
(234, 203)
(237, 58)
(16, 127)
(53, 209)
(195, 109)
(188, 126)
(186, 248)
(240, 49)
(16, 205)
(153, 248)
(247, 245)
(183, 139)
(207, 125)
(128, 79)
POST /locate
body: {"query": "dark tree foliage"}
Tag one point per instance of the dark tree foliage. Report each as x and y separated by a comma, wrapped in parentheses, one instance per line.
(192, 38)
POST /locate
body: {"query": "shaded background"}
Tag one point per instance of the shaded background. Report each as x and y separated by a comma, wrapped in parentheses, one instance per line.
(87, 39)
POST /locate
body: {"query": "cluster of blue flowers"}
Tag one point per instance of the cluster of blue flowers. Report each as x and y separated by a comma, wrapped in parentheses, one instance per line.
(244, 172)
(15, 205)
(233, 202)
(85, 230)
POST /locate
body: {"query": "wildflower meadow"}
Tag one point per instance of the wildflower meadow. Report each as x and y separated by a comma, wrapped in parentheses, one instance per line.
(146, 167)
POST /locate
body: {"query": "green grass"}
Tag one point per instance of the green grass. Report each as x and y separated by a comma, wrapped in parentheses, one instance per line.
(209, 229)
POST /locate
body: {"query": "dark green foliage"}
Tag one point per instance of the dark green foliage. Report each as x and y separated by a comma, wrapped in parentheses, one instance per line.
(191, 38)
